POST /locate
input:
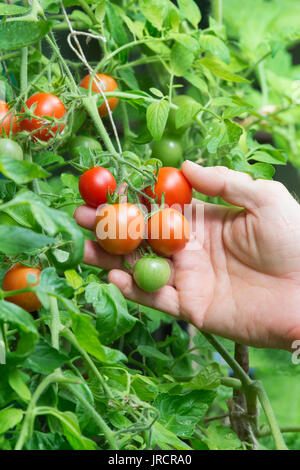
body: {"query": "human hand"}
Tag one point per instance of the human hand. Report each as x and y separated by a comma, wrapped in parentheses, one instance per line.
(242, 281)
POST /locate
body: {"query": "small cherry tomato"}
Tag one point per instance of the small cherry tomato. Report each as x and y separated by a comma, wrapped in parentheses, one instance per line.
(151, 273)
(168, 232)
(10, 148)
(43, 105)
(107, 83)
(119, 228)
(168, 150)
(180, 101)
(16, 279)
(174, 185)
(83, 141)
(8, 122)
(94, 185)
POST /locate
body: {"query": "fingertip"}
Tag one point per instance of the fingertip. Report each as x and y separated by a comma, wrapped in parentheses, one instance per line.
(119, 278)
(85, 216)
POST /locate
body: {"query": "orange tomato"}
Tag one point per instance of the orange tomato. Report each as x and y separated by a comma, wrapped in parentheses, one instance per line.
(107, 83)
(16, 279)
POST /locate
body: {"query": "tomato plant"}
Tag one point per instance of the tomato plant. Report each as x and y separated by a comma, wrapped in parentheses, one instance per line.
(95, 184)
(172, 183)
(168, 232)
(119, 228)
(151, 273)
(43, 105)
(168, 150)
(215, 82)
(16, 278)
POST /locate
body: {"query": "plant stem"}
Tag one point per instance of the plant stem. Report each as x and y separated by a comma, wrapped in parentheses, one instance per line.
(217, 10)
(55, 322)
(23, 71)
(231, 382)
(2, 346)
(282, 429)
(263, 83)
(66, 333)
(84, 5)
(26, 429)
(238, 370)
(108, 433)
(268, 410)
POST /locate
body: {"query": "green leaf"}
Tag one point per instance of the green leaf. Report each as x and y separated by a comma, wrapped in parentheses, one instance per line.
(127, 74)
(207, 378)
(220, 69)
(45, 359)
(153, 353)
(46, 441)
(15, 380)
(17, 317)
(180, 413)
(181, 59)
(190, 11)
(100, 10)
(21, 171)
(13, 10)
(88, 337)
(15, 240)
(215, 46)
(113, 319)
(196, 81)
(9, 418)
(274, 158)
(157, 115)
(186, 113)
(219, 437)
(17, 34)
(166, 439)
(153, 11)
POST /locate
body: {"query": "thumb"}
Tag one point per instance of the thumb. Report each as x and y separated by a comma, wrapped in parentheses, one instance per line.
(234, 187)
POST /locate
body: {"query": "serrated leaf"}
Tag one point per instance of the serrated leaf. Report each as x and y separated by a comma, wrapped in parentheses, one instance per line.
(190, 11)
(215, 46)
(21, 171)
(219, 69)
(9, 418)
(157, 115)
(17, 34)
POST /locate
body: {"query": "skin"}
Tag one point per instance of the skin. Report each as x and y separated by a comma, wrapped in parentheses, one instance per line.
(243, 282)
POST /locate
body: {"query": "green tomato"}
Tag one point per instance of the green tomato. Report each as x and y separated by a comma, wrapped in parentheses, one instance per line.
(168, 150)
(180, 101)
(151, 273)
(10, 148)
(83, 141)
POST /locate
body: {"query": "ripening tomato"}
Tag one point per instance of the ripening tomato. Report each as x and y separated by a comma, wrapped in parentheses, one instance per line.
(8, 122)
(83, 141)
(119, 228)
(168, 232)
(168, 150)
(16, 279)
(107, 83)
(151, 273)
(43, 105)
(94, 185)
(174, 185)
(10, 148)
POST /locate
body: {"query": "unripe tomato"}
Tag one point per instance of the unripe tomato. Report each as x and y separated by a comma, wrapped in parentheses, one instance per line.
(83, 141)
(168, 150)
(43, 105)
(151, 273)
(168, 232)
(8, 122)
(107, 83)
(10, 148)
(180, 100)
(16, 279)
(119, 228)
(94, 185)
(174, 185)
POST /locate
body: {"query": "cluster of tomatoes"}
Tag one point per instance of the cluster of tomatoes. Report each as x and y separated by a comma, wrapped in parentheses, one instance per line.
(120, 228)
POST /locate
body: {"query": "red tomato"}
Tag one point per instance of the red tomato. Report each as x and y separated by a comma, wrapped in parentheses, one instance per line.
(174, 184)
(43, 105)
(107, 84)
(16, 279)
(119, 228)
(168, 232)
(94, 184)
(8, 122)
